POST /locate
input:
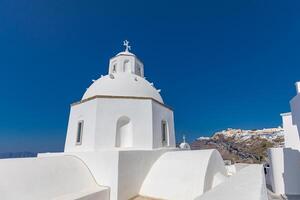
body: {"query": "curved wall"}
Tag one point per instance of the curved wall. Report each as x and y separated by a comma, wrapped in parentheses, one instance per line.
(61, 177)
(247, 184)
(184, 174)
(215, 173)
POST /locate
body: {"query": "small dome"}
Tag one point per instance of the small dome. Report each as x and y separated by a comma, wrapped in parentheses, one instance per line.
(122, 84)
(184, 146)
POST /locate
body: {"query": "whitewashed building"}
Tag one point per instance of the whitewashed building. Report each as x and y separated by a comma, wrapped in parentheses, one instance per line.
(121, 144)
(284, 171)
(120, 110)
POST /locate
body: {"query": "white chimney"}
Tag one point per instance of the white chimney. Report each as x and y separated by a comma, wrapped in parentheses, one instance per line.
(298, 87)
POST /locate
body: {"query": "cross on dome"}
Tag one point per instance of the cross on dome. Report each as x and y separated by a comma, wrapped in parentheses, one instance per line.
(184, 145)
(126, 44)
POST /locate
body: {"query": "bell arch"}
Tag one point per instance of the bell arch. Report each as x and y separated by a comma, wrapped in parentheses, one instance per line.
(127, 67)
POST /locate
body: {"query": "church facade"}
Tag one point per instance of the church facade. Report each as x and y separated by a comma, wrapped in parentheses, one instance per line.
(120, 145)
(120, 110)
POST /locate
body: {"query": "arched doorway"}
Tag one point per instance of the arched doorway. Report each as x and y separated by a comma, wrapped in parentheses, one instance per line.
(124, 137)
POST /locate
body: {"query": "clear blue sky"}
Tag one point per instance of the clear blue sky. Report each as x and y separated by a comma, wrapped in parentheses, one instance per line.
(219, 63)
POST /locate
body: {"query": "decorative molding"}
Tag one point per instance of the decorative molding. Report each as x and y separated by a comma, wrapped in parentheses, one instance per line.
(120, 97)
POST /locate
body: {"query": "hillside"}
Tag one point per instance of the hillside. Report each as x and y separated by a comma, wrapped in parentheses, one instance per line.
(246, 146)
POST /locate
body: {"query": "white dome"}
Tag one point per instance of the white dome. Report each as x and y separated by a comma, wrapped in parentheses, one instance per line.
(122, 84)
(184, 146)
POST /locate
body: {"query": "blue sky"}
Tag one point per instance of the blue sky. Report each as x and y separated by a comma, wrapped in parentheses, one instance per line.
(219, 63)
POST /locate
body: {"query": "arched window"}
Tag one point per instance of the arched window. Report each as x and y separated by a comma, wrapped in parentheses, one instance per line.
(164, 133)
(126, 67)
(124, 136)
(114, 68)
(139, 71)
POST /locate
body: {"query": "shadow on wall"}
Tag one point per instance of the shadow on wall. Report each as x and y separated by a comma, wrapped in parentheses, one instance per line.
(291, 174)
(124, 135)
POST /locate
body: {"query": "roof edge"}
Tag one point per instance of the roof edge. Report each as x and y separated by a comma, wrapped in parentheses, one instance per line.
(120, 97)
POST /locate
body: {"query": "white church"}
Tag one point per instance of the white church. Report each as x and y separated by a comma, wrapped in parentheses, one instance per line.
(121, 145)
(121, 110)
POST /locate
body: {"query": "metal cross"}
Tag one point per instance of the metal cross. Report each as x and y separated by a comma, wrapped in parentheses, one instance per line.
(126, 44)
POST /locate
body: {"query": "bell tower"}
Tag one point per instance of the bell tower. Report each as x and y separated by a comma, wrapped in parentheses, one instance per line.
(126, 62)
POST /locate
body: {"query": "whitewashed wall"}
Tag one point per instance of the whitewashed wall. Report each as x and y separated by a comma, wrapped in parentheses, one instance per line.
(100, 118)
(103, 166)
(122, 171)
(284, 162)
(295, 109)
(161, 113)
(284, 170)
(133, 168)
(184, 174)
(276, 170)
(291, 136)
(246, 184)
(86, 112)
(61, 177)
(110, 110)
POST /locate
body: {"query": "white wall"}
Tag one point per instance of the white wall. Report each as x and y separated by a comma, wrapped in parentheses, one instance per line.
(162, 113)
(103, 166)
(276, 169)
(291, 136)
(284, 170)
(133, 168)
(184, 174)
(110, 110)
(122, 171)
(246, 184)
(284, 162)
(295, 109)
(87, 112)
(59, 177)
(100, 118)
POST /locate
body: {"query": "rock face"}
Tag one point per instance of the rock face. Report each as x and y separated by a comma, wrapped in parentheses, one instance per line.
(246, 146)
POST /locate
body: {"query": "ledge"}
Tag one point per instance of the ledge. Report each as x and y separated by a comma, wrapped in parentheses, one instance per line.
(120, 97)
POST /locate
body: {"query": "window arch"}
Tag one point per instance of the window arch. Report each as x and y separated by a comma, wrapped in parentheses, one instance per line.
(139, 71)
(126, 67)
(114, 69)
(124, 136)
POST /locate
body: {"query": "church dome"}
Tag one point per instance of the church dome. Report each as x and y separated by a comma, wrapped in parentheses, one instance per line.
(184, 145)
(125, 79)
(122, 84)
